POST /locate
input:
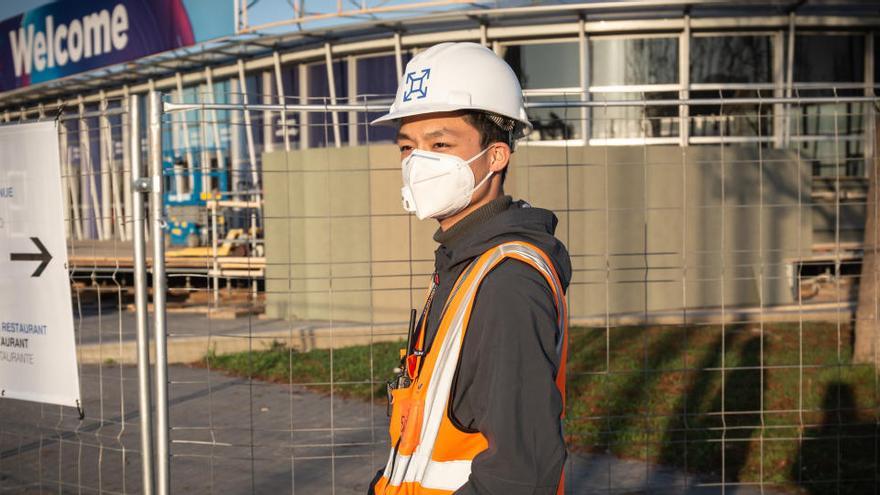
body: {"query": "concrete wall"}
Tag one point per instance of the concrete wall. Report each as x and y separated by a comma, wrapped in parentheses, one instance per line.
(646, 227)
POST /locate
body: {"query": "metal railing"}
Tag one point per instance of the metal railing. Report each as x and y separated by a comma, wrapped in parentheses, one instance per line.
(711, 297)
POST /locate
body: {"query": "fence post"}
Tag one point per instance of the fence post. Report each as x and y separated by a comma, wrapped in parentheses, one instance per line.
(139, 189)
(157, 220)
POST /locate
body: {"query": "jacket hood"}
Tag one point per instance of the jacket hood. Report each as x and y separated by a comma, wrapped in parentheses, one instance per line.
(500, 221)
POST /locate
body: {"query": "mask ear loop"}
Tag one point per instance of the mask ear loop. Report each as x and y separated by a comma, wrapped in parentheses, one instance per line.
(483, 181)
(478, 155)
(487, 175)
(491, 172)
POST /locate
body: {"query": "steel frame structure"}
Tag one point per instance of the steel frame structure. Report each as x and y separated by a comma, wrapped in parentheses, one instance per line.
(256, 51)
(157, 471)
(307, 48)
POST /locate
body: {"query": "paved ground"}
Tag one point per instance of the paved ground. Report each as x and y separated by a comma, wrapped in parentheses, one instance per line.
(102, 323)
(106, 335)
(304, 442)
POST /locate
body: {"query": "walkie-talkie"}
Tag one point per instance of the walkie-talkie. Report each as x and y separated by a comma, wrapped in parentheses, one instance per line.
(401, 379)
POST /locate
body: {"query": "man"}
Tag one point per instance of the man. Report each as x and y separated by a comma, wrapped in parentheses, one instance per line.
(477, 406)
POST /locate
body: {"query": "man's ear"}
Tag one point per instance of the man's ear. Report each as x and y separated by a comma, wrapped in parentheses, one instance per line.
(499, 157)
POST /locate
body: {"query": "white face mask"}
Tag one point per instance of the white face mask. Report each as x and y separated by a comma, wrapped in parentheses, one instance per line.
(437, 185)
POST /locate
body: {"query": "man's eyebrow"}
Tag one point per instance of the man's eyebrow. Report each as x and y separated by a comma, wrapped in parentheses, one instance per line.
(433, 134)
(438, 133)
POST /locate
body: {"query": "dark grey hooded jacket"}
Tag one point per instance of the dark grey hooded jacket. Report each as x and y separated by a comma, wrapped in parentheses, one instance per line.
(505, 383)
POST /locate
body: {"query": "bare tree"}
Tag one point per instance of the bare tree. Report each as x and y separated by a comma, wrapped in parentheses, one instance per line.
(867, 334)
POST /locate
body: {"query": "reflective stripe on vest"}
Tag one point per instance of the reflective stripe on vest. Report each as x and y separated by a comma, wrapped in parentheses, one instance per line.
(429, 455)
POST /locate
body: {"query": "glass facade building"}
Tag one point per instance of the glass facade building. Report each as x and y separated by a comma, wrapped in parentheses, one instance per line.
(705, 54)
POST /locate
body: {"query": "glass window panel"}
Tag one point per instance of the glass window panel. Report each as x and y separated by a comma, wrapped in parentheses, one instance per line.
(551, 124)
(321, 123)
(546, 65)
(827, 157)
(378, 75)
(730, 119)
(831, 137)
(637, 121)
(290, 79)
(876, 59)
(829, 58)
(376, 79)
(634, 61)
(731, 59)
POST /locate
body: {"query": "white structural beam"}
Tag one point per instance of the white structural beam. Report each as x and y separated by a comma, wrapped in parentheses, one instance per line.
(87, 173)
(331, 85)
(72, 225)
(584, 60)
(187, 146)
(114, 221)
(304, 129)
(215, 125)
(351, 82)
(248, 129)
(128, 211)
(204, 149)
(268, 128)
(235, 135)
(494, 33)
(104, 169)
(780, 119)
(398, 56)
(282, 100)
(684, 79)
(789, 74)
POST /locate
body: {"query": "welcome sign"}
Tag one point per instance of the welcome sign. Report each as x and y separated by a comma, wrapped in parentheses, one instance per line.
(71, 36)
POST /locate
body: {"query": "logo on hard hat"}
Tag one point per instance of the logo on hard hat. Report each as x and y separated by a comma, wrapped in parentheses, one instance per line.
(416, 85)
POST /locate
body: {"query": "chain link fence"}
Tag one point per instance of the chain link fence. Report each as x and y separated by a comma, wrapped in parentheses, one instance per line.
(723, 300)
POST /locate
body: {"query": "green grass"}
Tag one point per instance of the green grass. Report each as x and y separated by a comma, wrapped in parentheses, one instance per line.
(359, 371)
(655, 394)
(794, 411)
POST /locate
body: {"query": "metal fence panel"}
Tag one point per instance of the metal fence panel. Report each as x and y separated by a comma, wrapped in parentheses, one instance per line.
(47, 448)
(718, 318)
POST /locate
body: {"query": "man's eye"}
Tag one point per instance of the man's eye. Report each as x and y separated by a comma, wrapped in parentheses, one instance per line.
(441, 145)
(405, 147)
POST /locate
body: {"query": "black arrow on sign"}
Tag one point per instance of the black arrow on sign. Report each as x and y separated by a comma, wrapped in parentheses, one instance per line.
(42, 256)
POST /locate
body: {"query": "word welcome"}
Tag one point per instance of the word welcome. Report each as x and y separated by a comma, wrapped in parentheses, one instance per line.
(95, 34)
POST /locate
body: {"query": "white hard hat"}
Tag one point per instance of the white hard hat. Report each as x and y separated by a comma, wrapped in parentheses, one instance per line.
(458, 76)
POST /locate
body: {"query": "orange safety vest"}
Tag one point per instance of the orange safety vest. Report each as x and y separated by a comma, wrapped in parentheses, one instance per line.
(429, 454)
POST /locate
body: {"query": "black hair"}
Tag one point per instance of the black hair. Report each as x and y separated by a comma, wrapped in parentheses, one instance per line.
(493, 128)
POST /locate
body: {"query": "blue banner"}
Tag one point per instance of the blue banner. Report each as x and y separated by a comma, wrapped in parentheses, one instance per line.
(70, 36)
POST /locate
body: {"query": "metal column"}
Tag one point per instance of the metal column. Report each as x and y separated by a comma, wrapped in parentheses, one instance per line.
(187, 147)
(780, 116)
(115, 221)
(215, 125)
(105, 170)
(163, 451)
(88, 180)
(282, 100)
(584, 53)
(684, 78)
(139, 197)
(331, 84)
(126, 165)
(789, 77)
(248, 130)
(268, 127)
(398, 56)
(235, 159)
